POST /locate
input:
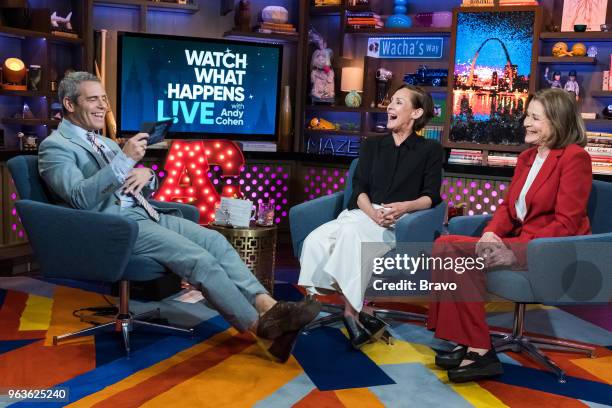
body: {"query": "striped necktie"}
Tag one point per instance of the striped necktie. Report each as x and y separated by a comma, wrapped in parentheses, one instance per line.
(140, 199)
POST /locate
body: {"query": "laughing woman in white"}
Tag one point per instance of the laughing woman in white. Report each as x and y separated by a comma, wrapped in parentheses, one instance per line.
(398, 173)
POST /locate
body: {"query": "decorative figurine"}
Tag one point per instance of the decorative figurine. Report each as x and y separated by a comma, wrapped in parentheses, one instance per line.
(61, 26)
(556, 79)
(322, 73)
(572, 85)
(242, 16)
(26, 112)
(64, 21)
(592, 51)
(399, 19)
(34, 77)
(383, 79)
(27, 142)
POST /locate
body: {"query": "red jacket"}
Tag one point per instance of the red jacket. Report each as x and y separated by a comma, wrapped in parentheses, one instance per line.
(557, 200)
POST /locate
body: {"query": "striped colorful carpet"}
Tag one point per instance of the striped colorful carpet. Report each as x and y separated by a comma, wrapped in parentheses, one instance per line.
(221, 368)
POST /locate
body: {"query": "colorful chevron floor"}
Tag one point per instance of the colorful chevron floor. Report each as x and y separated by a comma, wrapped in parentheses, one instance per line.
(221, 368)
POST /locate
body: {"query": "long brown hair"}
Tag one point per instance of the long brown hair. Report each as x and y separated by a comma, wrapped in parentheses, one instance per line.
(562, 112)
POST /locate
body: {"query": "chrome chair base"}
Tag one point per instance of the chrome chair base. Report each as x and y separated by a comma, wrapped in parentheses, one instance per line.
(518, 342)
(125, 322)
(336, 312)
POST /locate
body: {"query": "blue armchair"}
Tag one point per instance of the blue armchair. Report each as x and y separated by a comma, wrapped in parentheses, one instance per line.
(560, 270)
(419, 227)
(87, 245)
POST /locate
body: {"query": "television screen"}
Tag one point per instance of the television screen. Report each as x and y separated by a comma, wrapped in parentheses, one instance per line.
(210, 88)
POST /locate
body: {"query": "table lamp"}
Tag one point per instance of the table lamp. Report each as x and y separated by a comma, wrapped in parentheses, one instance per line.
(14, 72)
(352, 82)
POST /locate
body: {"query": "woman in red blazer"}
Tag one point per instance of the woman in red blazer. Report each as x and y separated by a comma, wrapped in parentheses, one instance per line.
(547, 197)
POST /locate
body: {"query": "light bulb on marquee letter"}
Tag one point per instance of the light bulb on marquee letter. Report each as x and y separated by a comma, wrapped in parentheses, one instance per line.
(189, 162)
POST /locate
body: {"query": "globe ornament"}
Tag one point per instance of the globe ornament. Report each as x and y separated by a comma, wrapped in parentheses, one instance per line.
(352, 100)
(579, 50)
(399, 19)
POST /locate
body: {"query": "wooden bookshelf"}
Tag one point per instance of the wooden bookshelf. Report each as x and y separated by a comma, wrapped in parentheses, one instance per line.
(567, 60)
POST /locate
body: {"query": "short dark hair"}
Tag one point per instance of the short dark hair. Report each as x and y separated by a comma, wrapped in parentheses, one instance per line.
(420, 100)
(562, 112)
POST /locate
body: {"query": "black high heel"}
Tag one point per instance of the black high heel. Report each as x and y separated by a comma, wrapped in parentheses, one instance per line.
(375, 325)
(357, 334)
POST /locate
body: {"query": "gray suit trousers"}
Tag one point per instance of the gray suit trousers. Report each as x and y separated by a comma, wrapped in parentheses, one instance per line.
(205, 258)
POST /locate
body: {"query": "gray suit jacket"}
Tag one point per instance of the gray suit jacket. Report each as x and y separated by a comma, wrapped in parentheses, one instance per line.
(76, 174)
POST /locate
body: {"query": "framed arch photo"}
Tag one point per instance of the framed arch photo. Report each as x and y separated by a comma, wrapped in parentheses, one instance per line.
(493, 57)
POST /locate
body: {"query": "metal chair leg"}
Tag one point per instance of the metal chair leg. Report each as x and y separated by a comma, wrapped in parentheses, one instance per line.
(562, 345)
(125, 329)
(90, 331)
(163, 327)
(399, 315)
(541, 358)
(518, 342)
(324, 321)
(124, 321)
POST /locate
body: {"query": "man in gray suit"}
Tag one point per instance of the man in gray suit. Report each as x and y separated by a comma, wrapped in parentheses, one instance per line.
(87, 171)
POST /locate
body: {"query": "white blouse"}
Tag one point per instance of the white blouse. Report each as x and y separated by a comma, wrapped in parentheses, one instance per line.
(520, 205)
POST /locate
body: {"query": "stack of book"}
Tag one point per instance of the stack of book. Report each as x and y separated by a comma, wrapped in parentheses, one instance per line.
(432, 132)
(323, 3)
(363, 20)
(502, 159)
(278, 28)
(599, 146)
(464, 156)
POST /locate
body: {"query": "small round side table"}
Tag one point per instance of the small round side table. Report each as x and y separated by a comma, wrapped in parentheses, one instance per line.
(256, 245)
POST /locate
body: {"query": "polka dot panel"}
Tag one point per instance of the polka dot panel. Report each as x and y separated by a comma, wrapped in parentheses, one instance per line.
(480, 196)
(261, 182)
(321, 181)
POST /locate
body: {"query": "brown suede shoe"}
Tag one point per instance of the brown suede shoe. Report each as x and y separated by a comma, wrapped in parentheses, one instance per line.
(286, 317)
(282, 347)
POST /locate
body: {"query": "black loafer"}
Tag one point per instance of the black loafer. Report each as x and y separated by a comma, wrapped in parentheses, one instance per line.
(450, 359)
(375, 325)
(485, 366)
(357, 334)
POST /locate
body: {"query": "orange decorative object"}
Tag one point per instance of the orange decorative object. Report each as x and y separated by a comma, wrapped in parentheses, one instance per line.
(560, 50)
(579, 50)
(321, 124)
(14, 74)
(187, 181)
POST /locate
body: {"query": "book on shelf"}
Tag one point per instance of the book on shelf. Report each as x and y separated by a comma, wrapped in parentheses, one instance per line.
(278, 27)
(599, 151)
(323, 3)
(605, 86)
(518, 2)
(502, 159)
(268, 31)
(432, 132)
(465, 156)
(247, 146)
(477, 3)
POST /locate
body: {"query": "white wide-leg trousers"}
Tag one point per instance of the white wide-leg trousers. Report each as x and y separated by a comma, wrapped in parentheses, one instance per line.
(331, 255)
